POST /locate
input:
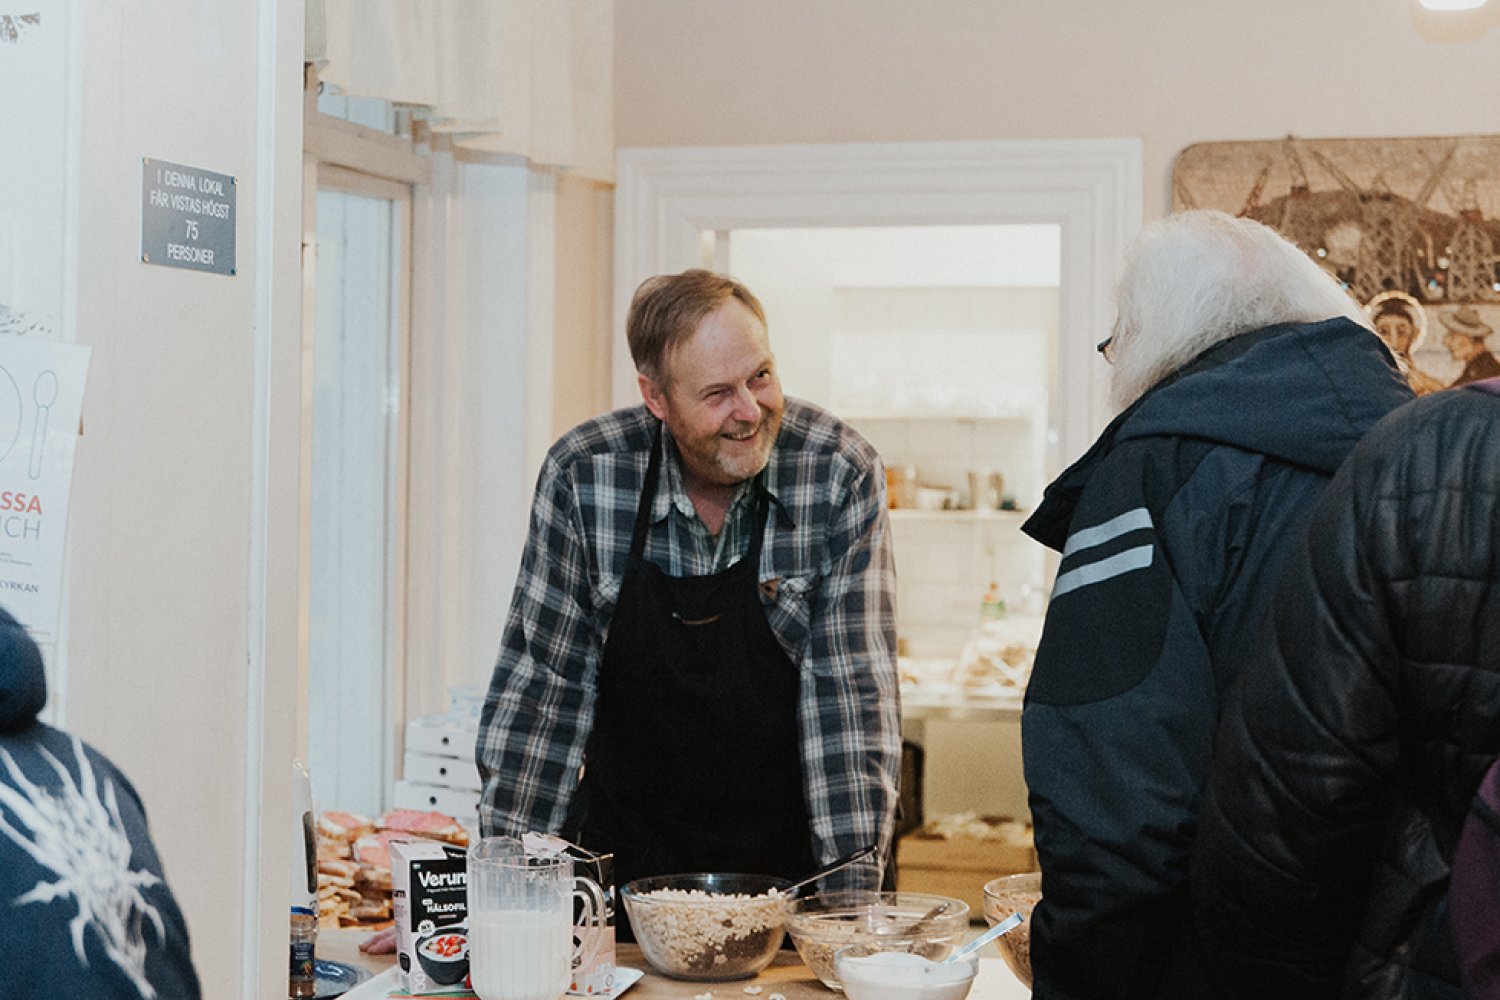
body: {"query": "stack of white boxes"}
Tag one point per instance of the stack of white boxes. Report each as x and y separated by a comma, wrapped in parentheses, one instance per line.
(440, 774)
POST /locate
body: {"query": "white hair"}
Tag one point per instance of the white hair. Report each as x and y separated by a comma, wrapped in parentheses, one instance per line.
(1194, 279)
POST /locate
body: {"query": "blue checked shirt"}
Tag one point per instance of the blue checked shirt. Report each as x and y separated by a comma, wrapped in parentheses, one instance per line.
(827, 585)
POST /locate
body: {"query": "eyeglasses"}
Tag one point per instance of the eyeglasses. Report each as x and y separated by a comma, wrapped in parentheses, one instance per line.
(1104, 346)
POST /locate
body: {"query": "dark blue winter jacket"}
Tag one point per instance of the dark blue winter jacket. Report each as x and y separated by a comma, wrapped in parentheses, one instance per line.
(85, 910)
(1172, 529)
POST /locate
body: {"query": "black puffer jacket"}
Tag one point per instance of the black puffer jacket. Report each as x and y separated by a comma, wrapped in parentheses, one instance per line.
(1347, 758)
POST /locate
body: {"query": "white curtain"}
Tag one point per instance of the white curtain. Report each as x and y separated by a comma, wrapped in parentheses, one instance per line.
(526, 77)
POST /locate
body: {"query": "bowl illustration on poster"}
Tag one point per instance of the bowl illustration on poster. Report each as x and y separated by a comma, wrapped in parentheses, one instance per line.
(10, 414)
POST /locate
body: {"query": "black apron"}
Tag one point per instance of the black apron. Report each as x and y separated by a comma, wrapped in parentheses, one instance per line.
(694, 762)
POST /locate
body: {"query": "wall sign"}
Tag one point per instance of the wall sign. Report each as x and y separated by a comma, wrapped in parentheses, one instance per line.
(187, 217)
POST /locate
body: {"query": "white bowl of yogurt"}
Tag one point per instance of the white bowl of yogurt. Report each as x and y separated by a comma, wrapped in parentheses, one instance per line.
(869, 973)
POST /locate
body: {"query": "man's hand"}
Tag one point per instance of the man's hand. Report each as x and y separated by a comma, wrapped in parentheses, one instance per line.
(380, 943)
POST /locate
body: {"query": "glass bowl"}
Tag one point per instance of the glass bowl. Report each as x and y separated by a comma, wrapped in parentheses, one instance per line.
(707, 927)
(875, 972)
(1014, 894)
(821, 924)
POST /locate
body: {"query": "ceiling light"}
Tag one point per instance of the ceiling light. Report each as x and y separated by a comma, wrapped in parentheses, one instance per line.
(1451, 4)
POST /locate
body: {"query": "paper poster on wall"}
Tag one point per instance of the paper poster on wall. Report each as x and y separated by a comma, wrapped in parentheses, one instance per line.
(36, 198)
(41, 400)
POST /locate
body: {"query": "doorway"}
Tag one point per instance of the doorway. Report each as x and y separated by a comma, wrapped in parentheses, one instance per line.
(937, 344)
(670, 202)
(744, 210)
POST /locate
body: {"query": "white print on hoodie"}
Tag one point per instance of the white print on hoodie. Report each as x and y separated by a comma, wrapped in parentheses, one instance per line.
(78, 836)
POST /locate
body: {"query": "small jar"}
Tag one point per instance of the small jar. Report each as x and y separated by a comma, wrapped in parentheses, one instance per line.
(303, 981)
(901, 486)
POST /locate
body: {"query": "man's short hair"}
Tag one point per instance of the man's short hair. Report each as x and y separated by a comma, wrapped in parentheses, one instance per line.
(1197, 278)
(667, 309)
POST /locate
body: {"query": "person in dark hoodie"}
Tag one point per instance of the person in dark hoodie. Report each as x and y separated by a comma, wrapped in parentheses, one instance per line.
(1245, 375)
(85, 908)
(1352, 748)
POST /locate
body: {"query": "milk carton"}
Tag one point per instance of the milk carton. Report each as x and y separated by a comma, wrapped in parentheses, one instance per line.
(429, 893)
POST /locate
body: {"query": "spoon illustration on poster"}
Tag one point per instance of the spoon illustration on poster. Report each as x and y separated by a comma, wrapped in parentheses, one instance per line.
(44, 392)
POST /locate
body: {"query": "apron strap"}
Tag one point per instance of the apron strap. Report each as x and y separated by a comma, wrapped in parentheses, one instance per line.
(762, 513)
(648, 494)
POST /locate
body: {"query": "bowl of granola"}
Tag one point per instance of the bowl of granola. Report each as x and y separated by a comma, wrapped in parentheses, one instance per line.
(707, 926)
(919, 924)
(1014, 894)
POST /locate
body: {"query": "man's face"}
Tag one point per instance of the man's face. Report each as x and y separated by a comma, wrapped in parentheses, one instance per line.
(722, 400)
(1397, 331)
(1461, 347)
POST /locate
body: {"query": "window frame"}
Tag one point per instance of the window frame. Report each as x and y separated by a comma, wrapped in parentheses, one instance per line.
(343, 156)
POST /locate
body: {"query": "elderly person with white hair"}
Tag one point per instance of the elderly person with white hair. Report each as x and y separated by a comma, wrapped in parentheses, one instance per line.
(1244, 375)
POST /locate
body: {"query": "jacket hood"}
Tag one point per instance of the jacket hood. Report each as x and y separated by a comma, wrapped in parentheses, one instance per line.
(1300, 393)
(23, 682)
(1303, 394)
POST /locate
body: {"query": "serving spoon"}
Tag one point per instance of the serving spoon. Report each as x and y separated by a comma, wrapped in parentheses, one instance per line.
(830, 868)
(1010, 923)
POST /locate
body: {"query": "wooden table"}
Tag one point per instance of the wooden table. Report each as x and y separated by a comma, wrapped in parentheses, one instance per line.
(343, 946)
(786, 976)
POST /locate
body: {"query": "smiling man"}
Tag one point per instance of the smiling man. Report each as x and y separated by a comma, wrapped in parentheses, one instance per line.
(698, 672)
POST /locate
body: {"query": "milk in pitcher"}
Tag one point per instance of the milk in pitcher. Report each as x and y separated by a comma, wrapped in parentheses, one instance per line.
(520, 954)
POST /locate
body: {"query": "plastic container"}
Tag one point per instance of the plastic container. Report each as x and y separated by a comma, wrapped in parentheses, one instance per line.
(707, 927)
(820, 924)
(992, 605)
(1014, 894)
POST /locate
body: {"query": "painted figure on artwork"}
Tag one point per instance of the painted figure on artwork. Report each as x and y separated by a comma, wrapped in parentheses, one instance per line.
(1402, 324)
(1465, 340)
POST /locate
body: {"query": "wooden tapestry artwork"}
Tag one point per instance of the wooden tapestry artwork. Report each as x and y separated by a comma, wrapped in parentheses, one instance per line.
(1408, 226)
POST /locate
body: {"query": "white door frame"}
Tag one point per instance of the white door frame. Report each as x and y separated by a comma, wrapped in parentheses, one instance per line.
(667, 198)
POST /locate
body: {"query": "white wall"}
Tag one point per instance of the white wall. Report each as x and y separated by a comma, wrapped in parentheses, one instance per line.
(1174, 73)
(582, 303)
(516, 352)
(182, 625)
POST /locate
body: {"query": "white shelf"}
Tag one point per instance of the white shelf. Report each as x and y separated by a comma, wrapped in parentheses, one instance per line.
(957, 416)
(958, 516)
(921, 704)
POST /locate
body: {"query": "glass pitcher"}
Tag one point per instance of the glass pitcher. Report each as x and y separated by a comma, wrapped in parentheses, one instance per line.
(521, 944)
